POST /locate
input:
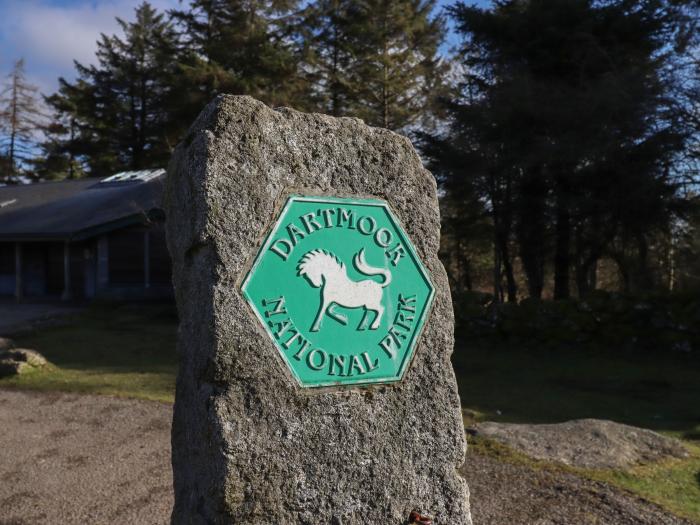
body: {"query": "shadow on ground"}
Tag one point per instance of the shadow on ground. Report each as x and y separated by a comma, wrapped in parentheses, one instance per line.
(509, 383)
(116, 349)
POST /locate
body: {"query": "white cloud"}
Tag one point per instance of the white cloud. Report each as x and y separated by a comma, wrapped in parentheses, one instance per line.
(51, 36)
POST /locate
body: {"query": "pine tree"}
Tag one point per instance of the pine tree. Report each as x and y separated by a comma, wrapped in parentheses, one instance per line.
(395, 75)
(564, 130)
(239, 47)
(20, 120)
(57, 159)
(117, 115)
(329, 55)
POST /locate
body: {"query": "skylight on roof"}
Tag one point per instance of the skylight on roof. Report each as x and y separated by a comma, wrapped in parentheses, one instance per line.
(133, 176)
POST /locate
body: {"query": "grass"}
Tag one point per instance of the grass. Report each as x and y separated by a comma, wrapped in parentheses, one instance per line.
(516, 383)
(120, 350)
(521, 384)
(673, 484)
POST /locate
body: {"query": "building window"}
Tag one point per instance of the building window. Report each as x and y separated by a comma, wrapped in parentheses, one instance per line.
(126, 257)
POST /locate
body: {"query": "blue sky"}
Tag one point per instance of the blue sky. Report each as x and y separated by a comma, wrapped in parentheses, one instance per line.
(50, 34)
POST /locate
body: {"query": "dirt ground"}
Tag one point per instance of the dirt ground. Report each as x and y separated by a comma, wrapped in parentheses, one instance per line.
(75, 459)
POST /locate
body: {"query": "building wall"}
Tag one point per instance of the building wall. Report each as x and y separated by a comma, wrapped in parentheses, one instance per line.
(124, 271)
(42, 269)
(7, 268)
(132, 263)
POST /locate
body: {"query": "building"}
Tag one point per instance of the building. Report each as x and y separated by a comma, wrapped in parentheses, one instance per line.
(85, 239)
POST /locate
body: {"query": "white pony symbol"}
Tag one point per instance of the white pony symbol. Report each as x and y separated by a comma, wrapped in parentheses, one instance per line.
(324, 270)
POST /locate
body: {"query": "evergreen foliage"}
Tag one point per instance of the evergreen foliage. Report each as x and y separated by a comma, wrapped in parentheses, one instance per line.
(115, 116)
(395, 74)
(58, 152)
(238, 47)
(328, 55)
(565, 131)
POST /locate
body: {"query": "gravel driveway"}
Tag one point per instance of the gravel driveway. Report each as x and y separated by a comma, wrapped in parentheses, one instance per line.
(77, 459)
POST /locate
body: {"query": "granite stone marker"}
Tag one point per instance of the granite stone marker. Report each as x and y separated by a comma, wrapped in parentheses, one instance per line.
(316, 326)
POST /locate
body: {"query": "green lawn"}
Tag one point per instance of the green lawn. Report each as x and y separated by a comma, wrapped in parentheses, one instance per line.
(129, 350)
(516, 383)
(674, 484)
(122, 350)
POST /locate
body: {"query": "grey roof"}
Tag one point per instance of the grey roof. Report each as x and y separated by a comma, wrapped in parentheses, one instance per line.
(78, 209)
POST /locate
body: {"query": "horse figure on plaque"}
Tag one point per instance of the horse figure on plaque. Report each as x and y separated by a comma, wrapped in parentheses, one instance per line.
(324, 270)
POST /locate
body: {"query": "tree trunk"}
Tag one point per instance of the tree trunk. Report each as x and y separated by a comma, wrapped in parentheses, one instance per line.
(623, 269)
(531, 229)
(511, 286)
(581, 259)
(586, 275)
(385, 92)
(672, 263)
(644, 280)
(562, 249)
(14, 124)
(71, 158)
(593, 275)
(533, 266)
(465, 269)
(143, 118)
(335, 96)
(496, 272)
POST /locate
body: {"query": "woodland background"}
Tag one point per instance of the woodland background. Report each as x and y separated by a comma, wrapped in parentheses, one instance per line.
(564, 134)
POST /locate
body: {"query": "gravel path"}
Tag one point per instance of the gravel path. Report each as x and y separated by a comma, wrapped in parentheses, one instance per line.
(76, 459)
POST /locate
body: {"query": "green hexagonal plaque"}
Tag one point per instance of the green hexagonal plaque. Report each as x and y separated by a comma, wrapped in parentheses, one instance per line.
(340, 291)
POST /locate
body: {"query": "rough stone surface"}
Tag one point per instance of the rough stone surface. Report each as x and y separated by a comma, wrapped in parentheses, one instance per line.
(17, 360)
(10, 367)
(249, 445)
(585, 443)
(6, 343)
(25, 355)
